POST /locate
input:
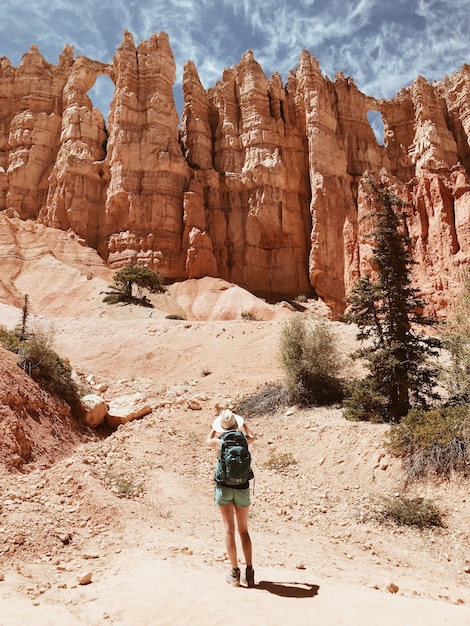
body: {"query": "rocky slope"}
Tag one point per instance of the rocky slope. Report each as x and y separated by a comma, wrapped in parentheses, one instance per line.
(260, 183)
(122, 529)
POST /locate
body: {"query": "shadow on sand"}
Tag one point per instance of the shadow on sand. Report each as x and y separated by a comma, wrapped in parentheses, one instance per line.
(289, 590)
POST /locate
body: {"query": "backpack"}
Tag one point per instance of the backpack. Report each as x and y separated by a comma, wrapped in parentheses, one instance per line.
(234, 464)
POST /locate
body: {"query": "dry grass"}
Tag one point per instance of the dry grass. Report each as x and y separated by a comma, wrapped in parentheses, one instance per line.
(267, 399)
(404, 510)
(281, 461)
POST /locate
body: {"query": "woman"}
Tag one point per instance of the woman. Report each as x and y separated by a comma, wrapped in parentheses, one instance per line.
(233, 502)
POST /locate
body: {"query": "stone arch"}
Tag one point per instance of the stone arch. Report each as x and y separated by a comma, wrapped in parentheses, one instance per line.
(101, 94)
(376, 122)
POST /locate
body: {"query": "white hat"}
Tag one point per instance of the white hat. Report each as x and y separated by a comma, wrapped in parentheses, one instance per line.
(227, 420)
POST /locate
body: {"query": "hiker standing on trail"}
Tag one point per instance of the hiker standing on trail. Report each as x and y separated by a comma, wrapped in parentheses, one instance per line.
(229, 438)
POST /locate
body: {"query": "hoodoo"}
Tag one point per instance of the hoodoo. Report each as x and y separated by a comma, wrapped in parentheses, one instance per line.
(258, 183)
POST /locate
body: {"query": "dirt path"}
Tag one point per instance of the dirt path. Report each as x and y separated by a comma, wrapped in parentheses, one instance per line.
(135, 509)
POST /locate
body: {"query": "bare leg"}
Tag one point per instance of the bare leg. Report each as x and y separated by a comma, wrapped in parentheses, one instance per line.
(242, 524)
(227, 511)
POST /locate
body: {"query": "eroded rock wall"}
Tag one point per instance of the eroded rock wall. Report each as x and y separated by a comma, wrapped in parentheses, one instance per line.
(258, 183)
(143, 213)
(247, 207)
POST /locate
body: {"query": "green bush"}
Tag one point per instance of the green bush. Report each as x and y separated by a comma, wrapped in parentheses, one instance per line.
(248, 316)
(116, 297)
(436, 441)
(311, 361)
(417, 512)
(363, 402)
(42, 364)
(9, 340)
(174, 316)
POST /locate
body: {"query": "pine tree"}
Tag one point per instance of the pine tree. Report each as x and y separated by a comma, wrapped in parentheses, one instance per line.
(20, 329)
(387, 311)
(132, 275)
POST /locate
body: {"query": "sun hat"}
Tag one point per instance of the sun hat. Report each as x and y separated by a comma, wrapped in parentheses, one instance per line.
(227, 420)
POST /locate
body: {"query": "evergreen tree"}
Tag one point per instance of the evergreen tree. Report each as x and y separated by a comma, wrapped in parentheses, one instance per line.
(140, 276)
(387, 311)
(20, 330)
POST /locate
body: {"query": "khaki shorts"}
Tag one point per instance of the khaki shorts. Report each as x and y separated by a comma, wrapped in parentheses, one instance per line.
(227, 495)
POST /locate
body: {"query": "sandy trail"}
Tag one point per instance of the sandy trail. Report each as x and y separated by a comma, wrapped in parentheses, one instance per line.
(139, 589)
(158, 558)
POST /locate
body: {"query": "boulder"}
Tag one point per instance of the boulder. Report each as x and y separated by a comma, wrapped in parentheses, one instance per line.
(94, 409)
(126, 408)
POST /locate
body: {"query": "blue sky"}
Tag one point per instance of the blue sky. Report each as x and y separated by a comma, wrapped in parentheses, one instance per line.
(382, 45)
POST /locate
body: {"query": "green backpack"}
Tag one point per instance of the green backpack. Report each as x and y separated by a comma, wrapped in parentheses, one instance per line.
(234, 464)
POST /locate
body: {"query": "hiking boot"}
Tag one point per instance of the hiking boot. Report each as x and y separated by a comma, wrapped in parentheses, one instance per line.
(234, 577)
(250, 577)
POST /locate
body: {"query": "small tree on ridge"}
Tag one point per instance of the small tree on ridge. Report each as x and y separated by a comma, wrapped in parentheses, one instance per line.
(134, 274)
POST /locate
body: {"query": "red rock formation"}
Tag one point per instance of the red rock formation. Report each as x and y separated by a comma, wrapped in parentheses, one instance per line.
(258, 186)
(31, 115)
(78, 181)
(148, 172)
(253, 189)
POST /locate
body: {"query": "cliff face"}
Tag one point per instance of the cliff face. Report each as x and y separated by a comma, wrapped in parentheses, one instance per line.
(247, 206)
(259, 184)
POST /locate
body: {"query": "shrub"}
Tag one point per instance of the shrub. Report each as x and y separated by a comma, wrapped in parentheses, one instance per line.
(311, 361)
(436, 441)
(280, 461)
(248, 316)
(194, 437)
(124, 487)
(9, 340)
(48, 369)
(116, 297)
(44, 365)
(417, 512)
(363, 402)
(267, 399)
(174, 316)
